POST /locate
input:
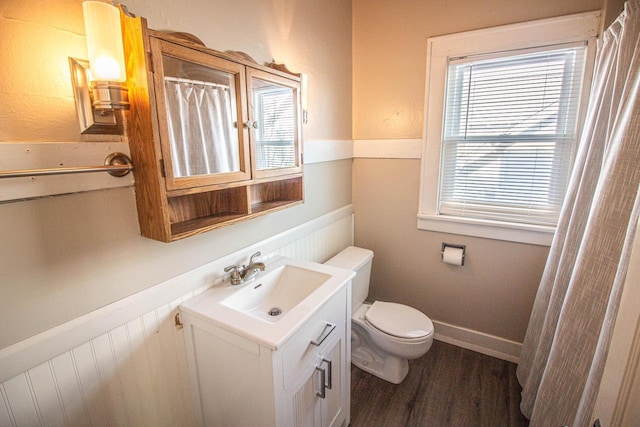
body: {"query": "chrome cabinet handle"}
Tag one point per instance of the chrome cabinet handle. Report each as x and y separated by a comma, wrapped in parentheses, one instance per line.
(329, 379)
(328, 328)
(323, 379)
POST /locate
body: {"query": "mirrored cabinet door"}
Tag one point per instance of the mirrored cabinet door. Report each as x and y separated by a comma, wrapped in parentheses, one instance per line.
(274, 109)
(201, 114)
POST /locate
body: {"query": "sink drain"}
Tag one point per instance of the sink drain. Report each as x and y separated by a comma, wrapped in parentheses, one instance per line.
(275, 311)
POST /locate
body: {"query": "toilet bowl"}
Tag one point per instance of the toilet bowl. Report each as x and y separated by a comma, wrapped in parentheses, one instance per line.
(384, 335)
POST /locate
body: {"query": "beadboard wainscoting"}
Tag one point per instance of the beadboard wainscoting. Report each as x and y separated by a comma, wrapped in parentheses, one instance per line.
(125, 363)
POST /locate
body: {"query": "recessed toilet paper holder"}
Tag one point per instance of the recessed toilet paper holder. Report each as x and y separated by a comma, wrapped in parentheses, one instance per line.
(453, 245)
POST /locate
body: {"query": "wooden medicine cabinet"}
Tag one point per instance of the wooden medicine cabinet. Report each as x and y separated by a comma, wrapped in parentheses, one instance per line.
(215, 138)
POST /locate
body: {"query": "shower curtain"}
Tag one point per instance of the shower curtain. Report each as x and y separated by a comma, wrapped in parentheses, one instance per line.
(200, 122)
(569, 331)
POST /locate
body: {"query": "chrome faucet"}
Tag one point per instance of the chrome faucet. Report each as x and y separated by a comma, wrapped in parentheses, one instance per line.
(247, 272)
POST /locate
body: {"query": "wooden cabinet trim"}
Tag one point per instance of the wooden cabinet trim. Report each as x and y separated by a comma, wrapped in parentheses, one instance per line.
(170, 209)
(158, 49)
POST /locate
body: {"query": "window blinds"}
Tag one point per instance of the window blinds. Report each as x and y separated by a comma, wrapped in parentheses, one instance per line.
(275, 146)
(509, 132)
(276, 111)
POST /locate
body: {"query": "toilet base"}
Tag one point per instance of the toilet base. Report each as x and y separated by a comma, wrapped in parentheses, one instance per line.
(389, 368)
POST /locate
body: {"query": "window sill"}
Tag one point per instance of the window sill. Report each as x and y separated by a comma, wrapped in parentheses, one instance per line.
(511, 232)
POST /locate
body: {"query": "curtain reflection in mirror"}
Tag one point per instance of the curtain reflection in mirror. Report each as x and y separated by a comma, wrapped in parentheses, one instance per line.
(201, 128)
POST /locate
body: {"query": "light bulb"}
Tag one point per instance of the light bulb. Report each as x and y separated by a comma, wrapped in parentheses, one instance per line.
(104, 41)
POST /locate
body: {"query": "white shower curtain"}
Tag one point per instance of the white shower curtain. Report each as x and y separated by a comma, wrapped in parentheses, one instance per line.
(200, 123)
(569, 332)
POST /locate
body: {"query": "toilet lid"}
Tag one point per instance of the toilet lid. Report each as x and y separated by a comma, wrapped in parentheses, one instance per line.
(399, 320)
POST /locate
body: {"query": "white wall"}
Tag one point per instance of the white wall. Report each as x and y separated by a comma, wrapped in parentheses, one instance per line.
(66, 256)
(492, 294)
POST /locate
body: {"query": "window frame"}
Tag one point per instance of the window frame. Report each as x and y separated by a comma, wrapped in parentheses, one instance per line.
(581, 27)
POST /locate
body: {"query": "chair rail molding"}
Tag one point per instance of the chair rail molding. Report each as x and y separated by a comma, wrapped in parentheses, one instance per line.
(328, 150)
(388, 148)
(318, 151)
(43, 155)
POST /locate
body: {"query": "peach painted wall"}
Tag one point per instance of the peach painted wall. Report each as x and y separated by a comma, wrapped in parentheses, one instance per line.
(494, 291)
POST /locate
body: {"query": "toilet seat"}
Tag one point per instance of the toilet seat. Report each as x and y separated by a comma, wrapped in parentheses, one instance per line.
(399, 320)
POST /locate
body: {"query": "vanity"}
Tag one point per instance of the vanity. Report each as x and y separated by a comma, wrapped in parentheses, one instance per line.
(274, 351)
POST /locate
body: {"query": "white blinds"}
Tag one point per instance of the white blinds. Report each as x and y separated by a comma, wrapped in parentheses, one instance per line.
(276, 115)
(509, 131)
(275, 145)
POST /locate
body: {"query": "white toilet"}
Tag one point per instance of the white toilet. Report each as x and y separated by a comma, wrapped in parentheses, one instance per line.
(384, 335)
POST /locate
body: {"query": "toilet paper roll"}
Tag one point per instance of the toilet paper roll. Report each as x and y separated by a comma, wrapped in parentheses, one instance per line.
(452, 255)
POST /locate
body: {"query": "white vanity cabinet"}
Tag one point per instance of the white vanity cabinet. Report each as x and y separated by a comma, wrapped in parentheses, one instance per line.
(317, 396)
(302, 381)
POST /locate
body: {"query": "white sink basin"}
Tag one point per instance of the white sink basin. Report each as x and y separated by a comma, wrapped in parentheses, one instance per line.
(272, 295)
(271, 307)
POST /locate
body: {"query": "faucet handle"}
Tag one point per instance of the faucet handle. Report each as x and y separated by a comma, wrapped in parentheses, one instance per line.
(235, 274)
(256, 255)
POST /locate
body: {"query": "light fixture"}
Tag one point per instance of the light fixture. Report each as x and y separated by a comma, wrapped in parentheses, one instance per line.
(99, 84)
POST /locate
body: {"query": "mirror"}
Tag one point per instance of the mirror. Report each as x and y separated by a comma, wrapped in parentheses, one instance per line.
(201, 118)
(274, 124)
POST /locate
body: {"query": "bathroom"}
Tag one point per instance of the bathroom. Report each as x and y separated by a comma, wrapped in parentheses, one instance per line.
(79, 282)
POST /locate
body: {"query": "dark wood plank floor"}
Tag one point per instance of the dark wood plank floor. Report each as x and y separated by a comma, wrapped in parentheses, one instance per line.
(449, 386)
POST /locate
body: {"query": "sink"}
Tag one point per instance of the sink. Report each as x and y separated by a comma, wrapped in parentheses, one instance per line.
(270, 308)
(274, 294)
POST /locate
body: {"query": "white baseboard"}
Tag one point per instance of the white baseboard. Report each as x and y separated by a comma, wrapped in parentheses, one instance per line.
(478, 341)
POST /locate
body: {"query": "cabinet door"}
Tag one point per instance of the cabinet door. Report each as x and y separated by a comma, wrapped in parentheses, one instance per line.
(303, 404)
(333, 411)
(318, 397)
(201, 116)
(274, 117)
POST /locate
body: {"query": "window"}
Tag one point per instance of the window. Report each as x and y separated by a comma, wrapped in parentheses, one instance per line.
(503, 121)
(509, 130)
(276, 131)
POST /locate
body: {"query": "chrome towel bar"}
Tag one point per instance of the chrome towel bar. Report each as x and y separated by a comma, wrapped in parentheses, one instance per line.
(115, 164)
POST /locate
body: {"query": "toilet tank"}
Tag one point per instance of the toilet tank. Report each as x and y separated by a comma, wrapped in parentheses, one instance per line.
(358, 260)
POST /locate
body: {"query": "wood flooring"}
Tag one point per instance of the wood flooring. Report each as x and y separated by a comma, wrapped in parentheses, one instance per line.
(449, 386)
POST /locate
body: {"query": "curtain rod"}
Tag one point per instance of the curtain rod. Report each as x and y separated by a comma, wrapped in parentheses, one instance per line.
(196, 82)
(115, 164)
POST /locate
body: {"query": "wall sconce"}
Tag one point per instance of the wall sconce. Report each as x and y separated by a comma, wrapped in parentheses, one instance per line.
(304, 94)
(98, 84)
